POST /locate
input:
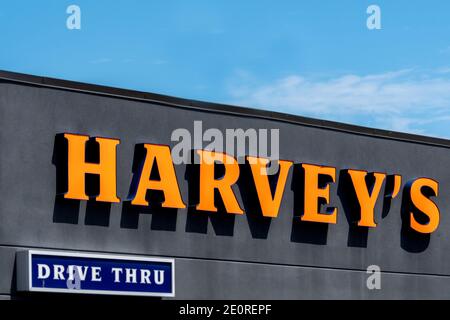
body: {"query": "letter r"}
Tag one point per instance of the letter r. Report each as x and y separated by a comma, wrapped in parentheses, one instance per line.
(77, 168)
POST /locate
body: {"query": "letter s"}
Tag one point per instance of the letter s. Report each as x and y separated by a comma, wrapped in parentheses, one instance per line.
(420, 191)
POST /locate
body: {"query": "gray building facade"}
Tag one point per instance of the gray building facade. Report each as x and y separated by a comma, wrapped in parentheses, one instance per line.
(217, 255)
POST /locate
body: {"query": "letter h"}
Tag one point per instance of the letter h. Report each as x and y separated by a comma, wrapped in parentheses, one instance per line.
(78, 167)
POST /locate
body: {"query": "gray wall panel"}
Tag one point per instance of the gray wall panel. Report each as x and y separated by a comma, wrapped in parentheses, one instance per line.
(207, 279)
(257, 281)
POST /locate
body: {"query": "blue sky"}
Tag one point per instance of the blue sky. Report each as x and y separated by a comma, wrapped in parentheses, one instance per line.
(311, 58)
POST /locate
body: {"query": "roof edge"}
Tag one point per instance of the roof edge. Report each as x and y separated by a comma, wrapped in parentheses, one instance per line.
(217, 108)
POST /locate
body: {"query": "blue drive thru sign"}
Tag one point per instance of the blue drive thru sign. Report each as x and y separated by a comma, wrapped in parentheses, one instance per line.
(74, 272)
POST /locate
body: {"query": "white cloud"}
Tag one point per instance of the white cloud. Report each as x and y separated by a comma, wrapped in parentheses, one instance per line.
(405, 100)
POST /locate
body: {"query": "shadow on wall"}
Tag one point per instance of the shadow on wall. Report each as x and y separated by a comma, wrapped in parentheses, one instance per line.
(357, 236)
(162, 218)
(98, 213)
(304, 231)
(411, 240)
(197, 221)
(64, 210)
(258, 224)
